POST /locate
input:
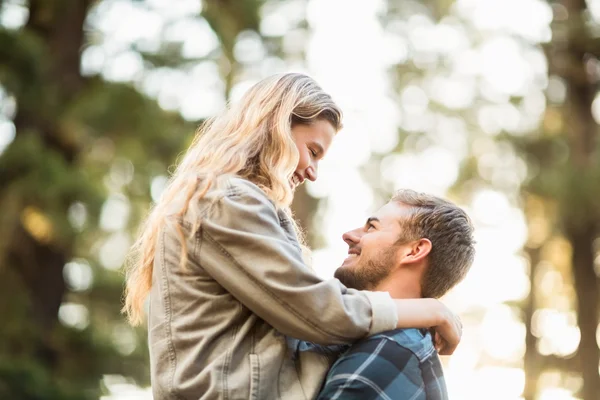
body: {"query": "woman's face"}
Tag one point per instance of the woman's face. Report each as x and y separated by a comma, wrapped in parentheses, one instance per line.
(312, 142)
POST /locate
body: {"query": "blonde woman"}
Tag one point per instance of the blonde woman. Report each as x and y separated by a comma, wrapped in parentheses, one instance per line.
(220, 260)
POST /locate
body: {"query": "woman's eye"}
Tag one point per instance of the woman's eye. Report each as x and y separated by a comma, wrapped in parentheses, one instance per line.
(371, 226)
(314, 153)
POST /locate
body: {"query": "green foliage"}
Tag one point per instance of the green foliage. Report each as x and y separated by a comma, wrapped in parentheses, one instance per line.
(40, 177)
(135, 123)
(22, 62)
(228, 17)
(75, 138)
(557, 175)
(26, 380)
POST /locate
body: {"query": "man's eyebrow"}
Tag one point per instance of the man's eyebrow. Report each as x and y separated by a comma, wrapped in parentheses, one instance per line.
(371, 219)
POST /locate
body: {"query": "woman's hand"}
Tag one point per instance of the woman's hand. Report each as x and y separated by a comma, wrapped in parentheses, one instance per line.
(447, 334)
(430, 313)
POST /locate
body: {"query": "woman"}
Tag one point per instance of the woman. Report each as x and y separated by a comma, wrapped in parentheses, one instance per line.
(220, 259)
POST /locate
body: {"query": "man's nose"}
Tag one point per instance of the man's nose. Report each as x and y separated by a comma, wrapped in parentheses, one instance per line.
(351, 237)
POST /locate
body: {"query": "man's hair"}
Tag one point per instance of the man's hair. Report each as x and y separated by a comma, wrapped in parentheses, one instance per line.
(450, 231)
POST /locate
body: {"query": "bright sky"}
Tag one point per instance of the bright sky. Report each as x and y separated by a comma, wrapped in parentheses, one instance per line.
(489, 52)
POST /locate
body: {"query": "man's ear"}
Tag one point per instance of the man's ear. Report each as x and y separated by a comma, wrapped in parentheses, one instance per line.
(419, 249)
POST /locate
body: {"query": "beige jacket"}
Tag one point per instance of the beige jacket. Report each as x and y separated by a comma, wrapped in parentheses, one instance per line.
(227, 326)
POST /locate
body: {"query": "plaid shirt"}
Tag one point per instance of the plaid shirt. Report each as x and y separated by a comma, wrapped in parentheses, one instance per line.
(394, 365)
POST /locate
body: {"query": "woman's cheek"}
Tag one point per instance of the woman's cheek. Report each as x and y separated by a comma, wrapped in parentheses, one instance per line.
(302, 164)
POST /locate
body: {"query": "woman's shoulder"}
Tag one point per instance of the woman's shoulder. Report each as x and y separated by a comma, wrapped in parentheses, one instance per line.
(226, 195)
(234, 200)
(237, 183)
(236, 186)
(225, 192)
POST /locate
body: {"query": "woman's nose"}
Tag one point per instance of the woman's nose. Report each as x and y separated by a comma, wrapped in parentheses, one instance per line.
(311, 173)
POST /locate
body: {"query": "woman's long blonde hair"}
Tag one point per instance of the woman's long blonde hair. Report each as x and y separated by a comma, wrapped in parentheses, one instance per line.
(251, 139)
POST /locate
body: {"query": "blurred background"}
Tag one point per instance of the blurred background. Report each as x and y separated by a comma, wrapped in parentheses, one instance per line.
(490, 103)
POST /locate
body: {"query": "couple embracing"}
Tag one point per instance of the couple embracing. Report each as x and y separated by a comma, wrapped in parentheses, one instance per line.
(234, 310)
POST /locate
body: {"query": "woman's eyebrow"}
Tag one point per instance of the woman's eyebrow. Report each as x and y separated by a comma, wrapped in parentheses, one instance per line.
(319, 149)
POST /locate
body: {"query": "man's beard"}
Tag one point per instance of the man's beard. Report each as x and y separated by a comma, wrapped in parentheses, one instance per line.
(367, 274)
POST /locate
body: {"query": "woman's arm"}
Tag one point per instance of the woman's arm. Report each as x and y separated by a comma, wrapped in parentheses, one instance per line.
(416, 313)
(430, 313)
(245, 249)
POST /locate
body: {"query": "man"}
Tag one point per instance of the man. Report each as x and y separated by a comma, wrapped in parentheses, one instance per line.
(415, 246)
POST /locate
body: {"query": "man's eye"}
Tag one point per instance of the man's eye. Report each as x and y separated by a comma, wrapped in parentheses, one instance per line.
(314, 153)
(371, 226)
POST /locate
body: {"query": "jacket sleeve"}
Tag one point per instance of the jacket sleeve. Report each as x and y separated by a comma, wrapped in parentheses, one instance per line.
(245, 249)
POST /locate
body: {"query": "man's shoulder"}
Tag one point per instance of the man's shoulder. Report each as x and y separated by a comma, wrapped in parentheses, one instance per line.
(400, 364)
(372, 367)
(416, 341)
(379, 351)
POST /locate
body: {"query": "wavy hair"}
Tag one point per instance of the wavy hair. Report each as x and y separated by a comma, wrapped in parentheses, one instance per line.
(251, 139)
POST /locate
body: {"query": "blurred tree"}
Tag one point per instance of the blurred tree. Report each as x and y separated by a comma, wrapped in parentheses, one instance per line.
(229, 18)
(83, 146)
(561, 151)
(566, 159)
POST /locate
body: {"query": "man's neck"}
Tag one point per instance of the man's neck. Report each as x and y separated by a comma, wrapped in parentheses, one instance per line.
(399, 287)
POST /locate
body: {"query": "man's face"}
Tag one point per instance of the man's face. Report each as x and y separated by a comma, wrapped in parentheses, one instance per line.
(373, 249)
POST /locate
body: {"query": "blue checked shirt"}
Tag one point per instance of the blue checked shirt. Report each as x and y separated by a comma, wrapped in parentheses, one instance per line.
(395, 365)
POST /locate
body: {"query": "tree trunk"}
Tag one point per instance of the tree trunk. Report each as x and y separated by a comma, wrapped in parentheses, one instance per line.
(59, 26)
(532, 358)
(579, 205)
(40, 267)
(587, 313)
